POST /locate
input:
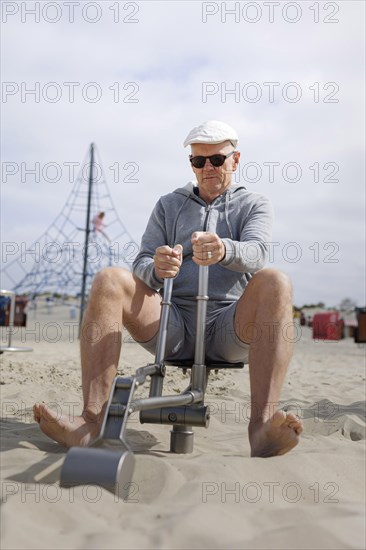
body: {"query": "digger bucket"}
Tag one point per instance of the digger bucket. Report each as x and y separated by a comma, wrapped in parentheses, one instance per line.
(109, 468)
(108, 462)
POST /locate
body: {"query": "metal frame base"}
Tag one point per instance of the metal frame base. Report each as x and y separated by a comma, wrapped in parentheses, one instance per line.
(13, 348)
(181, 439)
(109, 461)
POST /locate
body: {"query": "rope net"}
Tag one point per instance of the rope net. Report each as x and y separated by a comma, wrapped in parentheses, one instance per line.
(54, 262)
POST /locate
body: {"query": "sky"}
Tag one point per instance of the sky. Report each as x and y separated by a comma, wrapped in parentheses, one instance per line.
(135, 77)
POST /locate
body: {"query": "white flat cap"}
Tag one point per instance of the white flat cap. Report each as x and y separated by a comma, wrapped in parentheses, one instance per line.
(212, 131)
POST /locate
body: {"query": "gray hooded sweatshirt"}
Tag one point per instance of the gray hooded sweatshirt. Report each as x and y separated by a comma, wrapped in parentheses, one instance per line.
(242, 219)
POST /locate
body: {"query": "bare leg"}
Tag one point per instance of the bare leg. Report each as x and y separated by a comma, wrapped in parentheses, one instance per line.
(264, 319)
(116, 297)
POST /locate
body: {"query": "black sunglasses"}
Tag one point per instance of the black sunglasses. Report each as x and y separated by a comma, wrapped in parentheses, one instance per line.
(216, 160)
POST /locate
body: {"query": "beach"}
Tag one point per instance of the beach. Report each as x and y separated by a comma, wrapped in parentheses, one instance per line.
(218, 496)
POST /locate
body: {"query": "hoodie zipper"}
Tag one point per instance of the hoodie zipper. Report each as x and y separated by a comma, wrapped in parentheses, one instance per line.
(208, 210)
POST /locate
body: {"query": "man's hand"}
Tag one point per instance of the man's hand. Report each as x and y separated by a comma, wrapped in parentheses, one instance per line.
(208, 248)
(167, 261)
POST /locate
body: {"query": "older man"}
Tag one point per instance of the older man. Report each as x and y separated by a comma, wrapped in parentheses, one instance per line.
(214, 222)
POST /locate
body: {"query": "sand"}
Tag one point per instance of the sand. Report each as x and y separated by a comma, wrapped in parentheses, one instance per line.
(217, 497)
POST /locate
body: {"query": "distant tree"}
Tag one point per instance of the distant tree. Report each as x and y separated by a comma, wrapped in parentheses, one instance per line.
(312, 306)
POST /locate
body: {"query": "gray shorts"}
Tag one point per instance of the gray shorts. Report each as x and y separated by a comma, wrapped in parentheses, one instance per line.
(222, 344)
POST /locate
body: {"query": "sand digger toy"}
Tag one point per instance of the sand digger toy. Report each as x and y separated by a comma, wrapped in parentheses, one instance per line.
(109, 461)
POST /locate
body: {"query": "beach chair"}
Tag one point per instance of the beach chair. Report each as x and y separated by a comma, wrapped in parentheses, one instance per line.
(11, 318)
(109, 460)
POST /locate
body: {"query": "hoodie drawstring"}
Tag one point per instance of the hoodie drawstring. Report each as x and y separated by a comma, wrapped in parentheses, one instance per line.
(227, 198)
(176, 221)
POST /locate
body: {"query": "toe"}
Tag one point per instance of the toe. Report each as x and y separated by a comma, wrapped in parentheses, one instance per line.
(278, 419)
(292, 417)
(46, 414)
(36, 413)
(294, 421)
(297, 427)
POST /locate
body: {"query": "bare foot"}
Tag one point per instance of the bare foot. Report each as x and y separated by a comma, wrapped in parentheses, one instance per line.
(277, 436)
(72, 431)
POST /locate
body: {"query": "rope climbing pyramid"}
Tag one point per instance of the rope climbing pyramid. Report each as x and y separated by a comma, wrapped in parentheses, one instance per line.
(86, 236)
